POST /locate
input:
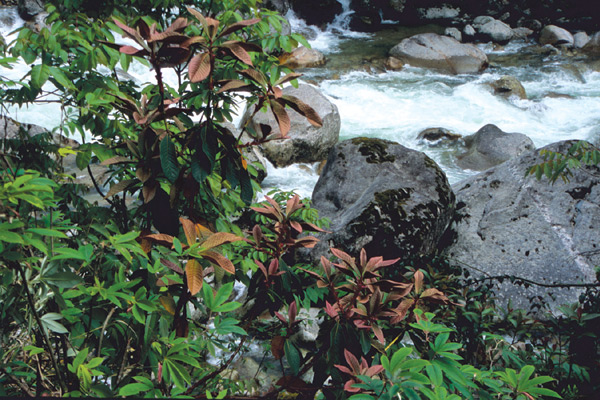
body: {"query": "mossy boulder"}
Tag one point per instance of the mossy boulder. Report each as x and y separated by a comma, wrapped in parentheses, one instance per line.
(380, 195)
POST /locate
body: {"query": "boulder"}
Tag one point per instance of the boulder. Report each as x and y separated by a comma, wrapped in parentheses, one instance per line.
(28, 9)
(593, 46)
(512, 224)
(444, 12)
(429, 50)
(496, 31)
(490, 146)
(302, 57)
(380, 195)
(469, 32)
(436, 135)
(453, 33)
(556, 36)
(522, 32)
(306, 143)
(281, 6)
(580, 39)
(393, 64)
(508, 86)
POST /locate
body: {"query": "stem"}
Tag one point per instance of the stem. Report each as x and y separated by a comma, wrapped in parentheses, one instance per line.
(112, 311)
(19, 383)
(39, 323)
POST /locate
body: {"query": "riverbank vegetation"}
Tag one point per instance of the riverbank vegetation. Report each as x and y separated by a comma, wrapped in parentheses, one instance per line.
(166, 289)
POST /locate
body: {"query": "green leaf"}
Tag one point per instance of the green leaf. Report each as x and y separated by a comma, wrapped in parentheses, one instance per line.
(133, 389)
(47, 232)
(66, 253)
(293, 357)
(63, 280)
(83, 158)
(49, 322)
(39, 75)
(10, 237)
(168, 159)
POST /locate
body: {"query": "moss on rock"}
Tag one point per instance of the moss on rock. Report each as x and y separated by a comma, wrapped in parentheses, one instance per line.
(375, 150)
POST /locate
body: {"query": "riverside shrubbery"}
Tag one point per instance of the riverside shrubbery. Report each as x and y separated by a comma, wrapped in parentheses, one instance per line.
(134, 299)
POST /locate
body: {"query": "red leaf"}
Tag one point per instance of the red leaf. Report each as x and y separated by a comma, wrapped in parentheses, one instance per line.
(234, 85)
(304, 109)
(238, 51)
(219, 260)
(171, 265)
(277, 344)
(199, 68)
(282, 117)
(133, 51)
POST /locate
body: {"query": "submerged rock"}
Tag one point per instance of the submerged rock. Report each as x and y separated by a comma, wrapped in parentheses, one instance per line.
(508, 86)
(306, 143)
(513, 224)
(438, 135)
(490, 146)
(302, 57)
(593, 46)
(429, 50)
(380, 195)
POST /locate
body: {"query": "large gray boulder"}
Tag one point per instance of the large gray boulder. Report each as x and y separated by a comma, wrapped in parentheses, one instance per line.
(491, 146)
(513, 224)
(380, 195)
(306, 143)
(429, 50)
(556, 36)
(495, 31)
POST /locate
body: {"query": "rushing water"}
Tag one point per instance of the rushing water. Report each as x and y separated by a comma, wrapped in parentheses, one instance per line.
(563, 94)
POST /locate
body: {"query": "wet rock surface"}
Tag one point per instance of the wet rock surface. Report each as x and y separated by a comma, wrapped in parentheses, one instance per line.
(512, 224)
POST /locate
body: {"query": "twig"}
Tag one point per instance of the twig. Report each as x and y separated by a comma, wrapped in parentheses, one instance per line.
(19, 383)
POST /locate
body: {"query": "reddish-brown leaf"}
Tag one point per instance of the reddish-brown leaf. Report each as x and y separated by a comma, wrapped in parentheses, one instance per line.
(219, 260)
(189, 229)
(255, 75)
(120, 186)
(418, 281)
(282, 117)
(234, 85)
(148, 193)
(195, 276)
(192, 40)
(238, 51)
(277, 344)
(172, 56)
(143, 174)
(239, 25)
(296, 226)
(168, 303)
(115, 160)
(218, 239)
(178, 25)
(288, 78)
(129, 31)
(303, 109)
(168, 37)
(133, 51)
(199, 67)
(308, 242)
(171, 265)
(161, 238)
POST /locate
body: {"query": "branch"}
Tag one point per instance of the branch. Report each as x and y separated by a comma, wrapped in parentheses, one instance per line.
(19, 383)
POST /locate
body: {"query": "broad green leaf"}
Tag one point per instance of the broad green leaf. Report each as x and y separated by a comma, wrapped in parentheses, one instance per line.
(39, 75)
(168, 159)
(10, 237)
(47, 232)
(293, 357)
